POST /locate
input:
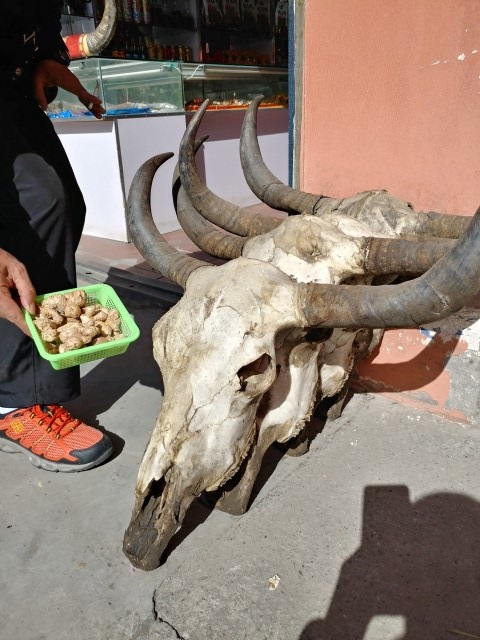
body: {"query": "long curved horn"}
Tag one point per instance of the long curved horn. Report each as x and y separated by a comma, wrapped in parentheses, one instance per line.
(222, 213)
(404, 257)
(441, 291)
(201, 232)
(408, 256)
(204, 234)
(176, 182)
(160, 255)
(273, 192)
(84, 45)
(267, 187)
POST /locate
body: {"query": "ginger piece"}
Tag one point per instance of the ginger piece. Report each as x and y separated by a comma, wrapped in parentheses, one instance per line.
(71, 343)
(70, 328)
(113, 319)
(101, 340)
(51, 347)
(78, 297)
(100, 316)
(43, 323)
(90, 310)
(72, 310)
(89, 333)
(51, 314)
(57, 302)
(104, 328)
(49, 334)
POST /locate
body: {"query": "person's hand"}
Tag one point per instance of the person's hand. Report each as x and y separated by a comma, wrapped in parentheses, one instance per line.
(14, 282)
(50, 73)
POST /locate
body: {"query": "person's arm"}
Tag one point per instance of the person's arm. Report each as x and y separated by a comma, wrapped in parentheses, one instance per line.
(52, 60)
(15, 283)
(50, 73)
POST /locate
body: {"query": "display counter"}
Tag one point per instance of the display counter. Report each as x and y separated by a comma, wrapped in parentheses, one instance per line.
(148, 106)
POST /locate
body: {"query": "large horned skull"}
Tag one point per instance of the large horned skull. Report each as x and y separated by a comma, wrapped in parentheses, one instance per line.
(254, 343)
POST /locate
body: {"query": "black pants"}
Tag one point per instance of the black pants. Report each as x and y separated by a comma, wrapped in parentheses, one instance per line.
(42, 213)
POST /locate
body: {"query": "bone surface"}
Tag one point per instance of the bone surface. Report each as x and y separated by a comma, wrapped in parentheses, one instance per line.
(243, 366)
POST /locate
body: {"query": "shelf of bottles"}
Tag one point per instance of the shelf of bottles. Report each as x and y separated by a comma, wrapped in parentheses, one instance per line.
(232, 32)
(245, 32)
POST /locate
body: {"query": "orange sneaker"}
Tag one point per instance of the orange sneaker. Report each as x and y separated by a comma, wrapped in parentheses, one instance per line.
(52, 439)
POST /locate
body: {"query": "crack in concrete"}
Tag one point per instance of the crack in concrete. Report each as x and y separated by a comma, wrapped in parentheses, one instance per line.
(161, 620)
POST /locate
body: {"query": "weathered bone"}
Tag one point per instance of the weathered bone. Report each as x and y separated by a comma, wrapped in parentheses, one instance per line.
(399, 214)
(382, 212)
(383, 256)
(195, 199)
(240, 362)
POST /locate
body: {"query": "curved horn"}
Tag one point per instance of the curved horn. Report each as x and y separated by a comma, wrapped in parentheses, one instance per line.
(204, 234)
(273, 192)
(222, 213)
(267, 187)
(441, 291)
(145, 236)
(176, 182)
(201, 232)
(84, 45)
(404, 257)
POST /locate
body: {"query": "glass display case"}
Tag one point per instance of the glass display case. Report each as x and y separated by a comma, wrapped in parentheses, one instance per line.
(233, 87)
(126, 88)
(148, 87)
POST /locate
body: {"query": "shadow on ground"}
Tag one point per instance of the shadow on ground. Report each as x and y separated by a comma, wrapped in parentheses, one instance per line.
(418, 563)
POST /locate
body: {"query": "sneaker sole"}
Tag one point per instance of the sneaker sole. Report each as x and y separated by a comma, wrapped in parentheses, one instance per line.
(47, 465)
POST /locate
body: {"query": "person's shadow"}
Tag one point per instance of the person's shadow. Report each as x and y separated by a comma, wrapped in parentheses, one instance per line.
(419, 561)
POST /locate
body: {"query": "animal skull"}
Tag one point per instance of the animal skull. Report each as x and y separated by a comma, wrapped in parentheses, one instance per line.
(255, 343)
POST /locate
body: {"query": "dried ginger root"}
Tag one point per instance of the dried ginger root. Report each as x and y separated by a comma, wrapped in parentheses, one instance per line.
(66, 322)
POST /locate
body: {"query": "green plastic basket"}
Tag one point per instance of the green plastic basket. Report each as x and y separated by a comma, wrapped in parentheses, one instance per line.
(102, 294)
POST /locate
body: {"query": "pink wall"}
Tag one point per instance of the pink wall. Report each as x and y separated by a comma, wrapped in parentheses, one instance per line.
(391, 100)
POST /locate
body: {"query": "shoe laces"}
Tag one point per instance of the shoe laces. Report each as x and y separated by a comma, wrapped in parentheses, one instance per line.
(55, 418)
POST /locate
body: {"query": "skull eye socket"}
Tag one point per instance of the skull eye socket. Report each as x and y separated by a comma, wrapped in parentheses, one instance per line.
(257, 376)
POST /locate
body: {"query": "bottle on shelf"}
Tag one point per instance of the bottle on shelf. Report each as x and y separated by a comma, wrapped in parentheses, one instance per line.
(249, 21)
(281, 33)
(126, 10)
(137, 11)
(232, 16)
(263, 15)
(188, 21)
(147, 11)
(212, 16)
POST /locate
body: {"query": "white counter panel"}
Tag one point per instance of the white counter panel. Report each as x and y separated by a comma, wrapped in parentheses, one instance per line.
(140, 139)
(106, 154)
(92, 150)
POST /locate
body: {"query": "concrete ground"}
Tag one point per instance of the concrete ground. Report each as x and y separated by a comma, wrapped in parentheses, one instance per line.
(373, 534)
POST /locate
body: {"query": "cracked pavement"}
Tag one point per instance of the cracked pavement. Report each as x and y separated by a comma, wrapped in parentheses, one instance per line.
(374, 533)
